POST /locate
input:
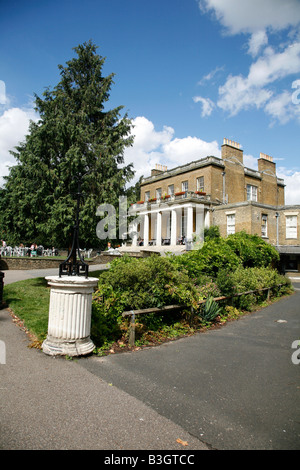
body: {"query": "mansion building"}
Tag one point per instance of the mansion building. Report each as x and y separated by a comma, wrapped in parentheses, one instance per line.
(176, 205)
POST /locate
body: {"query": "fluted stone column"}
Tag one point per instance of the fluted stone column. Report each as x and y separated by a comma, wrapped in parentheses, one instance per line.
(70, 312)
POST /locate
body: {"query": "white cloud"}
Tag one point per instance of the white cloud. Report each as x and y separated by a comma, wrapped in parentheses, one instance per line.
(282, 109)
(272, 66)
(14, 124)
(261, 88)
(187, 149)
(151, 147)
(240, 93)
(208, 77)
(207, 105)
(250, 161)
(250, 16)
(292, 182)
(257, 41)
(146, 137)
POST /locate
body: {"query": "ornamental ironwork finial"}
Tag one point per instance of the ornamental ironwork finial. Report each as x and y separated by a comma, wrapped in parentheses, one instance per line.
(75, 265)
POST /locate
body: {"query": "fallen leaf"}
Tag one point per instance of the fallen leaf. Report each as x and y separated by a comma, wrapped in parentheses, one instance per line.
(184, 443)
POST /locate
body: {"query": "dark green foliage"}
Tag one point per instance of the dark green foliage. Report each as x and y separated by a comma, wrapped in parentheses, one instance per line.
(213, 256)
(147, 282)
(252, 250)
(76, 133)
(211, 232)
(132, 284)
(218, 269)
(250, 279)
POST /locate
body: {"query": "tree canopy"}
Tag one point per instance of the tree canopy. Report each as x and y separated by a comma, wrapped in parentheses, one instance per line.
(75, 134)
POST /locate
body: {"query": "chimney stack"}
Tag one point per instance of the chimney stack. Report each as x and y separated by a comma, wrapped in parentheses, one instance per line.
(158, 169)
(265, 162)
(230, 148)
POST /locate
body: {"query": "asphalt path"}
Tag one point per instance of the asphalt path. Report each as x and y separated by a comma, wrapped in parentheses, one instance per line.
(231, 388)
(50, 403)
(13, 275)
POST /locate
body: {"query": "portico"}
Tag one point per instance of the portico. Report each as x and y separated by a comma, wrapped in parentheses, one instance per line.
(172, 223)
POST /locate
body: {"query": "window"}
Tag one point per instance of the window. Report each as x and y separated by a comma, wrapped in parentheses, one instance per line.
(158, 193)
(251, 193)
(200, 183)
(291, 226)
(171, 190)
(184, 186)
(147, 196)
(230, 224)
(264, 225)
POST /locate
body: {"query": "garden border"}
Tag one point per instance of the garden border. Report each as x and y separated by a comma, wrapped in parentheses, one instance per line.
(132, 313)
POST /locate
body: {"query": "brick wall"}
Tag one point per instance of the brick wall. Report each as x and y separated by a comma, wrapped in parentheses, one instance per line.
(248, 217)
(226, 173)
(24, 263)
(28, 263)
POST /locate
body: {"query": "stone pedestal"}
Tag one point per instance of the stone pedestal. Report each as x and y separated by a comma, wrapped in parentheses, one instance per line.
(70, 311)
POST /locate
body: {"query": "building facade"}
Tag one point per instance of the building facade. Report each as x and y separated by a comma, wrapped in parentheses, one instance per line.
(176, 205)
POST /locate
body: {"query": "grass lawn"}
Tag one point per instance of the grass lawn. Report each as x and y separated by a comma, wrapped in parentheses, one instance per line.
(29, 301)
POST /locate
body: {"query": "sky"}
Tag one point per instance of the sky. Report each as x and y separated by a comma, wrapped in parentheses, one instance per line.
(188, 73)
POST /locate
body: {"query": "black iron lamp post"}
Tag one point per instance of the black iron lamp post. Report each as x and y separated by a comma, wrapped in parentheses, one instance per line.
(73, 265)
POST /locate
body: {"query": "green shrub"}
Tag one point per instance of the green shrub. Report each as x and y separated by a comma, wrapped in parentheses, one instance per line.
(213, 256)
(214, 270)
(252, 250)
(212, 232)
(209, 288)
(148, 282)
(248, 279)
(132, 284)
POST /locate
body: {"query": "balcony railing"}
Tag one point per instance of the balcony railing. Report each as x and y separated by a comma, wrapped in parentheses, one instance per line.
(169, 199)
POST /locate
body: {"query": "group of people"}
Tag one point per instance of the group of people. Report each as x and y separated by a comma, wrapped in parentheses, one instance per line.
(33, 250)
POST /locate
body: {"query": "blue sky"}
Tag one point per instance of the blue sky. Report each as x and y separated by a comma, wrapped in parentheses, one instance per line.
(187, 72)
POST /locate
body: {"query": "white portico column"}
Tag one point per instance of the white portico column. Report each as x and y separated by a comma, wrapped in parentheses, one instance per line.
(200, 221)
(134, 233)
(189, 223)
(158, 229)
(173, 227)
(146, 229)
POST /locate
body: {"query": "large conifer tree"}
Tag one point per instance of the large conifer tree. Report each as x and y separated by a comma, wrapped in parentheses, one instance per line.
(75, 135)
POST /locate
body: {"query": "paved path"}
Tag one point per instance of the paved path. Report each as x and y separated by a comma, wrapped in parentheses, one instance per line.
(52, 403)
(13, 275)
(231, 388)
